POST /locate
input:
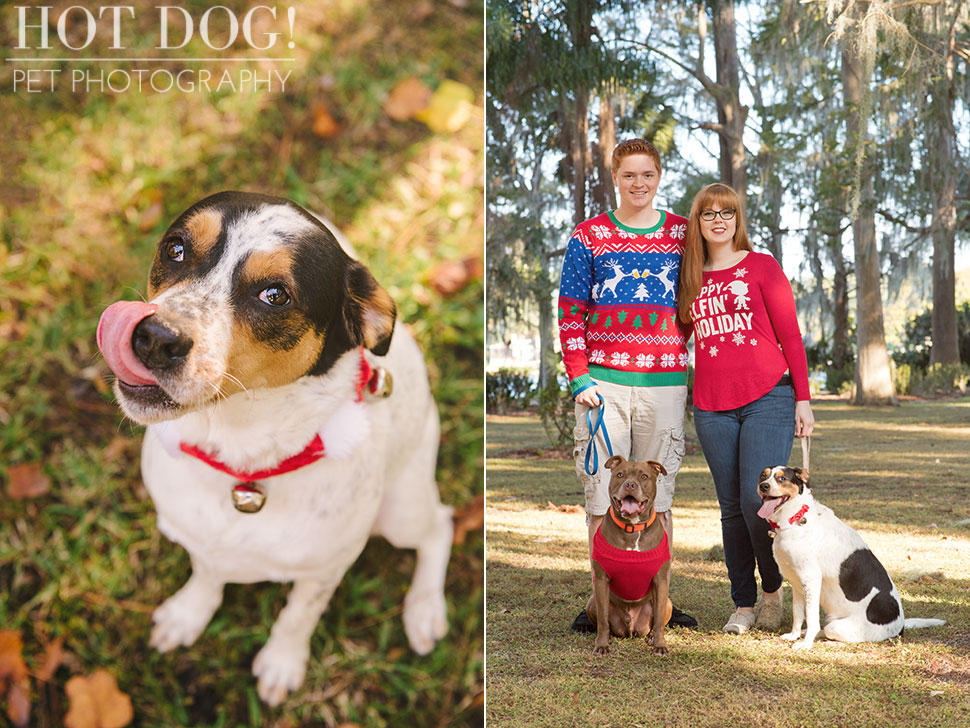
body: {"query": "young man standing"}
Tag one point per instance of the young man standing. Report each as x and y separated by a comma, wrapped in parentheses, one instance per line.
(620, 338)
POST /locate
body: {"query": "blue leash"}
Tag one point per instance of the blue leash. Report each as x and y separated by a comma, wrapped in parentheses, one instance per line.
(600, 425)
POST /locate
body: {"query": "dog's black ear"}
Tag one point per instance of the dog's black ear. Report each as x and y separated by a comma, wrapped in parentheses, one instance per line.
(614, 461)
(368, 311)
(801, 477)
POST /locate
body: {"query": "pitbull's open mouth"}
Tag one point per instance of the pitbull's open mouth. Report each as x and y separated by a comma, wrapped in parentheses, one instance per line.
(630, 506)
(769, 505)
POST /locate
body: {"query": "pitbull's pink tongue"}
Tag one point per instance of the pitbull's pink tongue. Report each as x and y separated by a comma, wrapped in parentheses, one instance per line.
(769, 507)
(629, 507)
(115, 329)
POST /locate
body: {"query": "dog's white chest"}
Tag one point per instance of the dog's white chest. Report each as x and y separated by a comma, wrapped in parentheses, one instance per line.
(310, 520)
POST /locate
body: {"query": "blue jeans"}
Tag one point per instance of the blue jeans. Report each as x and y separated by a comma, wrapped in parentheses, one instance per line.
(738, 444)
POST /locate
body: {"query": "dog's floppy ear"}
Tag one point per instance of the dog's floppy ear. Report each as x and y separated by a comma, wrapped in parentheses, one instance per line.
(657, 467)
(614, 461)
(764, 474)
(368, 311)
(801, 477)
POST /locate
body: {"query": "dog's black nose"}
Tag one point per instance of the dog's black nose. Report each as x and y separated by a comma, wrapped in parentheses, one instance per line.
(764, 486)
(158, 347)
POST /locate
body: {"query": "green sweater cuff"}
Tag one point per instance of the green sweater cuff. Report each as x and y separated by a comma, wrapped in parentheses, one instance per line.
(583, 381)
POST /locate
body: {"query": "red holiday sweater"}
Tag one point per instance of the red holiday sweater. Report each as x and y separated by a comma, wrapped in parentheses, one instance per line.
(746, 335)
(630, 572)
(618, 304)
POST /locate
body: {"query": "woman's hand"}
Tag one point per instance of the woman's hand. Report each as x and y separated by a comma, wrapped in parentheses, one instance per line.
(589, 397)
(804, 419)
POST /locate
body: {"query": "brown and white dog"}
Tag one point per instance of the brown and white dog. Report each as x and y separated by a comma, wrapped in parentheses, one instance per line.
(252, 363)
(631, 560)
(828, 565)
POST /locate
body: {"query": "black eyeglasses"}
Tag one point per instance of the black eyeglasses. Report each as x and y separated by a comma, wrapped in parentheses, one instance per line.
(709, 215)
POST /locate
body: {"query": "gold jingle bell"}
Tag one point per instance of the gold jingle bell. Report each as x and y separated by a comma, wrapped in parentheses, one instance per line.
(248, 497)
(382, 383)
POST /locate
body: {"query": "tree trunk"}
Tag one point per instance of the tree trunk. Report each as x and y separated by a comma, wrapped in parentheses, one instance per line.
(841, 347)
(943, 184)
(873, 379)
(731, 115)
(548, 335)
(603, 195)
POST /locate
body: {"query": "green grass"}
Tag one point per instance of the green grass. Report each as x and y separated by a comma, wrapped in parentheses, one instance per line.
(81, 175)
(896, 475)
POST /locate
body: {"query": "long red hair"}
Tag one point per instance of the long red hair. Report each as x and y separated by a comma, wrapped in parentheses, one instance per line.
(695, 251)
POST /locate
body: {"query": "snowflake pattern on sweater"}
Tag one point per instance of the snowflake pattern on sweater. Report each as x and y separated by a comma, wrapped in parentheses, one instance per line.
(618, 303)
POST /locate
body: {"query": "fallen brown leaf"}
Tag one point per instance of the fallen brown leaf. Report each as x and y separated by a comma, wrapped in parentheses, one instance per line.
(450, 276)
(407, 98)
(151, 216)
(450, 107)
(550, 506)
(13, 677)
(27, 480)
(115, 449)
(54, 656)
(96, 702)
(470, 517)
(324, 125)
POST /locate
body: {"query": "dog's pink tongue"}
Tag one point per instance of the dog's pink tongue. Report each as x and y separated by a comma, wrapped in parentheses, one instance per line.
(629, 507)
(115, 329)
(769, 507)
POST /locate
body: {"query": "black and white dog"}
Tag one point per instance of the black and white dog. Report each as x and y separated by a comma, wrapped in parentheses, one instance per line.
(257, 363)
(828, 565)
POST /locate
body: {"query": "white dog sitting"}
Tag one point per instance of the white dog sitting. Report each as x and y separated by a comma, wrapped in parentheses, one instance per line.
(828, 565)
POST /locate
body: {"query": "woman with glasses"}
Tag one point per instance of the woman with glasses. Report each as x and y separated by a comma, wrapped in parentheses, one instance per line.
(751, 394)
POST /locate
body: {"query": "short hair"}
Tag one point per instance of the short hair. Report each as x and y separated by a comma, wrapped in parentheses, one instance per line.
(634, 146)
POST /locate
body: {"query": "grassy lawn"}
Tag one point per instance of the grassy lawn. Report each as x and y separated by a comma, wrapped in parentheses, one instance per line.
(89, 182)
(896, 475)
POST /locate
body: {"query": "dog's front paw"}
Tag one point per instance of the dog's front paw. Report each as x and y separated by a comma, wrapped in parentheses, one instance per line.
(805, 644)
(792, 636)
(177, 624)
(280, 667)
(601, 649)
(661, 649)
(425, 620)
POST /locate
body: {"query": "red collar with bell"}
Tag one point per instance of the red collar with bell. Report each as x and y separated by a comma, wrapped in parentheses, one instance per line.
(247, 495)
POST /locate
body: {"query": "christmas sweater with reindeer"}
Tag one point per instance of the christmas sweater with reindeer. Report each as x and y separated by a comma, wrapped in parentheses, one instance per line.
(746, 335)
(618, 304)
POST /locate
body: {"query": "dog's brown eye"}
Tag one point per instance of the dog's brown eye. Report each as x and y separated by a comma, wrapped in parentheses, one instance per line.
(175, 251)
(274, 296)
(781, 478)
(643, 475)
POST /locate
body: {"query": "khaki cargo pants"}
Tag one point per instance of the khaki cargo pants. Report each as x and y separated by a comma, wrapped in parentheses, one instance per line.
(644, 423)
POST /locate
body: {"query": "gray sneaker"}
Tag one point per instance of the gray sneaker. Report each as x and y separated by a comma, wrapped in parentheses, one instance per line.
(770, 614)
(740, 622)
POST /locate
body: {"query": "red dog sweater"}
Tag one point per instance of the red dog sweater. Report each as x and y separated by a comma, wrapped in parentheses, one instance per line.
(630, 572)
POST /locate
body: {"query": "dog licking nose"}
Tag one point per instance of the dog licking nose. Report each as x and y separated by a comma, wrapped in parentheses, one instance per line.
(157, 346)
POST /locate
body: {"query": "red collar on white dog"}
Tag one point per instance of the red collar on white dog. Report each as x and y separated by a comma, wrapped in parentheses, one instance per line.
(797, 517)
(632, 529)
(247, 496)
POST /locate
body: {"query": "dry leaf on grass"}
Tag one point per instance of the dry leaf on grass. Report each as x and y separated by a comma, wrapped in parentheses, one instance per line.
(450, 276)
(468, 518)
(564, 508)
(450, 107)
(13, 678)
(96, 702)
(324, 125)
(27, 480)
(151, 216)
(407, 98)
(54, 656)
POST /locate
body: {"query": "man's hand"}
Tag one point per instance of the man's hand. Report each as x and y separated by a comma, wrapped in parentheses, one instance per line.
(589, 397)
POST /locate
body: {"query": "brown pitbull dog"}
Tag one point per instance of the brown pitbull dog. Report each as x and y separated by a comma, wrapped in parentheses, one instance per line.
(631, 560)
